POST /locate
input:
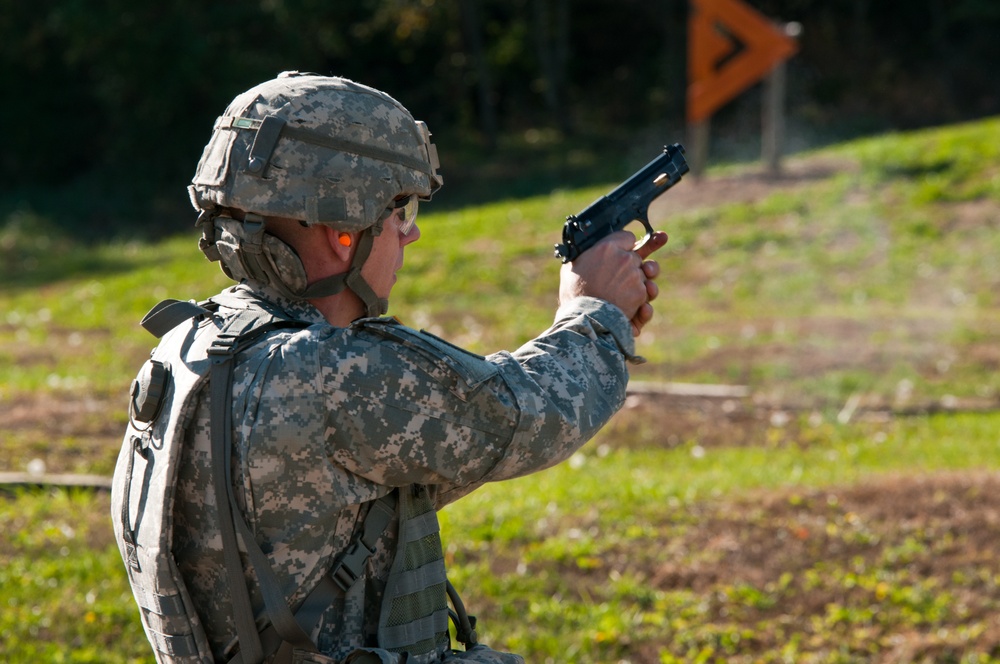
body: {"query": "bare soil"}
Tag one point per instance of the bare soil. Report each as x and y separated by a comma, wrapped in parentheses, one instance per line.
(883, 549)
(66, 432)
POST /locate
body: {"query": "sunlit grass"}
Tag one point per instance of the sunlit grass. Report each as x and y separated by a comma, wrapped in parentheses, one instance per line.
(63, 591)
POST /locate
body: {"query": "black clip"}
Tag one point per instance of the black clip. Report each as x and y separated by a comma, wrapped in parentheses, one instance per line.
(349, 568)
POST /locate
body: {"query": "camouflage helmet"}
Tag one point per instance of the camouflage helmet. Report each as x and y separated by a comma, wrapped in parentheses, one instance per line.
(319, 149)
(323, 150)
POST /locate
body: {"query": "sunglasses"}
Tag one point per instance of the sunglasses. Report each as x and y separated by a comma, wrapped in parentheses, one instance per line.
(406, 209)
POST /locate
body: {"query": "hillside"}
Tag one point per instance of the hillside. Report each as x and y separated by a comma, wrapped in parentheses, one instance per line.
(842, 511)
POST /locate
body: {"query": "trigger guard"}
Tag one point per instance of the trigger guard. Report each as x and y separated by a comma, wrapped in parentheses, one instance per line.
(642, 241)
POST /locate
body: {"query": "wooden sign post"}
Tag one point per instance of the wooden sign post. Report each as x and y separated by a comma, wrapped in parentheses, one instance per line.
(730, 47)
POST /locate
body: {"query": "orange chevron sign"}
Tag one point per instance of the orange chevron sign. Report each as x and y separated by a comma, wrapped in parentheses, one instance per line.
(731, 46)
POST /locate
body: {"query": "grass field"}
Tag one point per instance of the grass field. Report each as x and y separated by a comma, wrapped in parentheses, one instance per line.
(847, 510)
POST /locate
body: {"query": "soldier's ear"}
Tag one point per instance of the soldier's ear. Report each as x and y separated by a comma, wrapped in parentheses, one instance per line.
(341, 243)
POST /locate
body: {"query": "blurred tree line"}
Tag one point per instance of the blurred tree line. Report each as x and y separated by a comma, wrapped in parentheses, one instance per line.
(107, 103)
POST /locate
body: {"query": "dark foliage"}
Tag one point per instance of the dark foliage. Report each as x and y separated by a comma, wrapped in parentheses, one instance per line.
(109, 102)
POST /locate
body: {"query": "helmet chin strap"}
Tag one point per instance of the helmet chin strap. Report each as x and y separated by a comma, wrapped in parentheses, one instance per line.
(248, 257)
(352, 279)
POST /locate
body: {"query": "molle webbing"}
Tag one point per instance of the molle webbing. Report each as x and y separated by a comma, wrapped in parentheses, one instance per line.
(414, 618)
(415, 606)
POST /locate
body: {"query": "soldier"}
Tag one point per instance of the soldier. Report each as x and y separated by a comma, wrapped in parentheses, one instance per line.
(335, 434)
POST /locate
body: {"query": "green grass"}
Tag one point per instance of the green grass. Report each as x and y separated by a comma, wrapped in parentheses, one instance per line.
(627, 486)
(581, 544)
(63, 593)
(675, 535)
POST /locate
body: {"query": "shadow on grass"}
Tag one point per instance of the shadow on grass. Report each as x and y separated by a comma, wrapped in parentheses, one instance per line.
(41, 257)
(27, 272)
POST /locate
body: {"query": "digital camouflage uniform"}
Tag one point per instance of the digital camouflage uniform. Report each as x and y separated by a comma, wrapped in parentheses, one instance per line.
(327, 420)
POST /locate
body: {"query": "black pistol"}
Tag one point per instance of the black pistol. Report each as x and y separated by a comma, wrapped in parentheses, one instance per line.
(627, 203)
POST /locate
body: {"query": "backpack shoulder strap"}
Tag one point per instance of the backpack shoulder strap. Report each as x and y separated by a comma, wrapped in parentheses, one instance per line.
(242, 332)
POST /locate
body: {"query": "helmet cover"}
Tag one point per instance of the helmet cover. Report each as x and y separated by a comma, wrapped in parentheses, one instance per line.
(323, 150)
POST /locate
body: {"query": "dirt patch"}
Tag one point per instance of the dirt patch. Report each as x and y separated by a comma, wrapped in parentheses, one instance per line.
(670, 421)
(65, 433)
(898, 569)
(57, 414)
(760, 537)
(747, 186)
(972, 216)
(893, 545)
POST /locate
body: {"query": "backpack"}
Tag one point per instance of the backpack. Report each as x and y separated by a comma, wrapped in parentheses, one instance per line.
(145, 476)
(143, 497)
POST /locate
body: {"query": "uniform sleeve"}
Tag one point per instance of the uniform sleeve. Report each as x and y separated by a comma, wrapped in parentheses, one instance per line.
(408, 408)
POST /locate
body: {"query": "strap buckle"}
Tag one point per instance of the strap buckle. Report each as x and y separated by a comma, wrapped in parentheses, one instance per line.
(224, 345)
(350, 567)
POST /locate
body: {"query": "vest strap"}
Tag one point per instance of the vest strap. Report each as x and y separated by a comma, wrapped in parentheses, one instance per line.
(351, 566)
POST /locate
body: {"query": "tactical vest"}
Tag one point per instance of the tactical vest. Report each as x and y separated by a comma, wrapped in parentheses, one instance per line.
(197, 345)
